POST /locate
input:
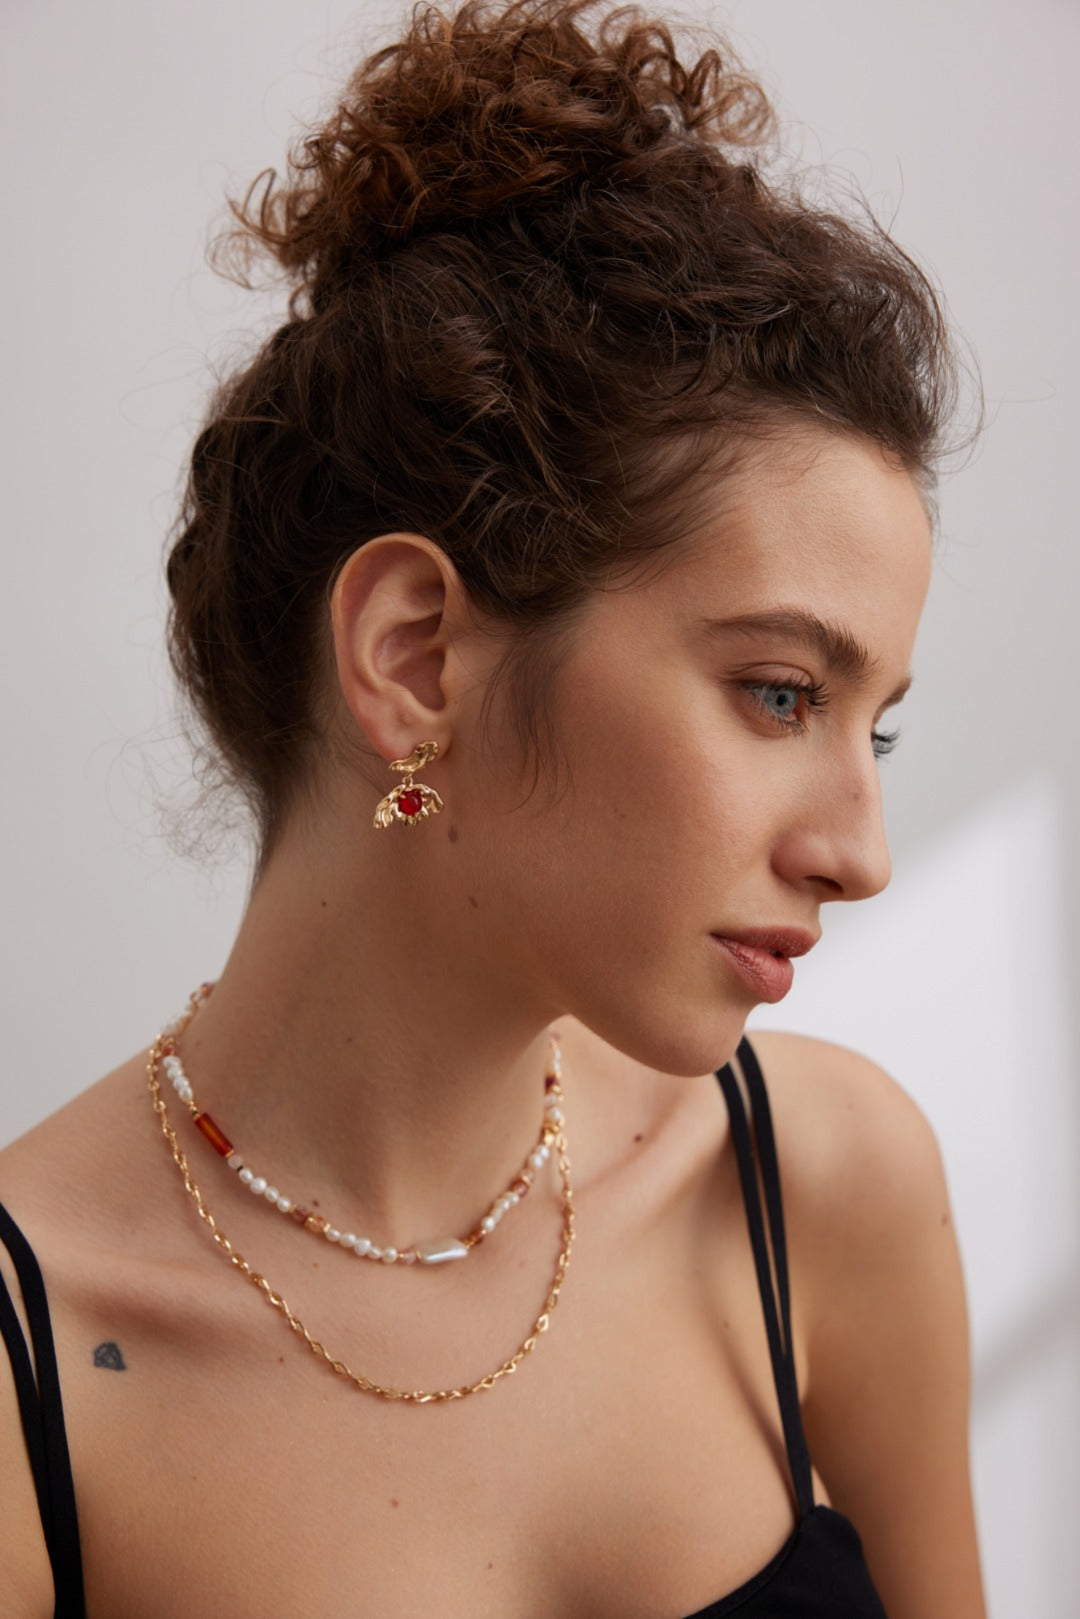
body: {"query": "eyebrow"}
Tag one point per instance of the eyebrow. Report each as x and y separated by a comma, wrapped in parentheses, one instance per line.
(843, 653)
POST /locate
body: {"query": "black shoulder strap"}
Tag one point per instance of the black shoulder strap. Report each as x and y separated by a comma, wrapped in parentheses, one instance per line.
(42, 1414)
(783, 1359)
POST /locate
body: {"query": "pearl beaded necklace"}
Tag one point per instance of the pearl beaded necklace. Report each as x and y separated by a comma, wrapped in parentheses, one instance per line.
(433, 1251)
(277, 1301)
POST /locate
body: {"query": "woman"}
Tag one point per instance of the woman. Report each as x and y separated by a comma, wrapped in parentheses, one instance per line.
(542, 585)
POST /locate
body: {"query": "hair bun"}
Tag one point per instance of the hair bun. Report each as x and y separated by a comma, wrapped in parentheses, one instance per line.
(471, 109)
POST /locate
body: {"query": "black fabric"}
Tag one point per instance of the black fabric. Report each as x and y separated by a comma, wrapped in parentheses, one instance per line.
(42, 1414)
(818, 1573)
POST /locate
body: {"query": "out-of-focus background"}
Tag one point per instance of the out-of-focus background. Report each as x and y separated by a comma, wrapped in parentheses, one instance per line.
(124, 126)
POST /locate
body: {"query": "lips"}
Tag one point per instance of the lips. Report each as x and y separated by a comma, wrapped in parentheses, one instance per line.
(760, 958)
(775, 941)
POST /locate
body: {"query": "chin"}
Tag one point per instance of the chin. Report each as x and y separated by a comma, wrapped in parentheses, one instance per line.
(678, 1044)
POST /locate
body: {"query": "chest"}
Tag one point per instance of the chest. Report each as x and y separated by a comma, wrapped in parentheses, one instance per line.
(632, 1465)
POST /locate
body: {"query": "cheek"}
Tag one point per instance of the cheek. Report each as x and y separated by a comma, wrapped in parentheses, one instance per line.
(667, 777)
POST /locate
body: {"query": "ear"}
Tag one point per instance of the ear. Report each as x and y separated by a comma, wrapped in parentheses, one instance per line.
(396, 608)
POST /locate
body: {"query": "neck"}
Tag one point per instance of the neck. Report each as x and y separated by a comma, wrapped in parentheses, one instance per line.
(380, 1068)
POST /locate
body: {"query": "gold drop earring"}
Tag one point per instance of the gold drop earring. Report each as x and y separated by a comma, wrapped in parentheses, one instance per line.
(407, 801)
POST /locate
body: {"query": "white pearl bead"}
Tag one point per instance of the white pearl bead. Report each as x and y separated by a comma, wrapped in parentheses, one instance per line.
(271, 1194)
(332, 1234)
(488, 1223)
(375, 1253)
(388, 1256)
(440, 1250)
(536, 1158)
(348, 1240)
(258, 1185)
(513, 1197)
(545, 1152)
(235, 1161)
(247, 1175)
(285, 1204)
(363, 1246)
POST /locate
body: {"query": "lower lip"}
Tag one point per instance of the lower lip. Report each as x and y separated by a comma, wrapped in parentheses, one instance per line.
(770, 977)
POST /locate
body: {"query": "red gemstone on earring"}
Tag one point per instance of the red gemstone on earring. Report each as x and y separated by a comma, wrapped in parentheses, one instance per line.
(410, 803)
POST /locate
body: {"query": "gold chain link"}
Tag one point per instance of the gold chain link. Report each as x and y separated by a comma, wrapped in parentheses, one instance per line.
(364, 1384)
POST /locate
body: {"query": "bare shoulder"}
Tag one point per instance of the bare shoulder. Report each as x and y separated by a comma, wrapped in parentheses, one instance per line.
(843, 1088)
(73, 1155)
(873, 1242)
(27, 1575)
(856, 1150)
(75, 1186)
(39, 1175)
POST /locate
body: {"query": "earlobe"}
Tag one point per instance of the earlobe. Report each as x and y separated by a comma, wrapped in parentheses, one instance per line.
(391, 631)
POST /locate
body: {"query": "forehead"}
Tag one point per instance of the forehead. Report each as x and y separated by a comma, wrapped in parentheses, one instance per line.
(817, 518)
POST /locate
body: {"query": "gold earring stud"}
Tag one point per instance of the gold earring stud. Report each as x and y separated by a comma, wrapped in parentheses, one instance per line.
(408, 801)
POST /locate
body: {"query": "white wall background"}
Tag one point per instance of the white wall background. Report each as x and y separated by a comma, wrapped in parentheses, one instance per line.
(123, 124)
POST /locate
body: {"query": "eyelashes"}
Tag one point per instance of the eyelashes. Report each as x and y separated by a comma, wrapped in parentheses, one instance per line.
(817, 696)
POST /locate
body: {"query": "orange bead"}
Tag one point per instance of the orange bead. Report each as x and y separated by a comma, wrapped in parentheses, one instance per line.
(216, 1137)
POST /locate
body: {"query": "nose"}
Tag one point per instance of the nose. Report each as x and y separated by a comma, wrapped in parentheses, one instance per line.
(834, 841)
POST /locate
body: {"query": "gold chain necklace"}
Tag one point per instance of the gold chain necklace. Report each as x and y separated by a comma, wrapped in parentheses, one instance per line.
(357, 1379)
(432, 1251)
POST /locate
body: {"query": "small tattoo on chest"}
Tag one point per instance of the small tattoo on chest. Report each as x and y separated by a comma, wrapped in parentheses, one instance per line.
(109, 1356)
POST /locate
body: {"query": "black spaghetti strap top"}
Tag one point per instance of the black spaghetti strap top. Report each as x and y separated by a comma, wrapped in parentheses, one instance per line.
(37, 1389)
(818, 1573)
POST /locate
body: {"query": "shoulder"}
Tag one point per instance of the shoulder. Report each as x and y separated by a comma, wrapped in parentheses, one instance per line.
(863, 1180)
(80, 1187)
(83, 1186)
(874, 1250)
(83, 1155)
(845, 1090)
(859, 1159)
(27, 1573)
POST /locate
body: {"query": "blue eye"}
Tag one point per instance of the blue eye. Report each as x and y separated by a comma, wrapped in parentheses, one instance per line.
(786, 697)
(785, 694)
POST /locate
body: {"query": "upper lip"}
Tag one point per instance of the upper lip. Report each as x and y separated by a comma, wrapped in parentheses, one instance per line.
(780, 941)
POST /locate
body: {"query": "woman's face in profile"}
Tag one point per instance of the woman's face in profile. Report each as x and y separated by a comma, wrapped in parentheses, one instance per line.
(708, 793)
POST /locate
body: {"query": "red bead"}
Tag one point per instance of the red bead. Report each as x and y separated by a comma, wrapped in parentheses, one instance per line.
(217, 1138)
(301, 1216)
(410, 803)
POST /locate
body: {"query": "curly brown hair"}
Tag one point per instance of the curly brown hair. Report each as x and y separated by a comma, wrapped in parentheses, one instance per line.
(541, 291)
